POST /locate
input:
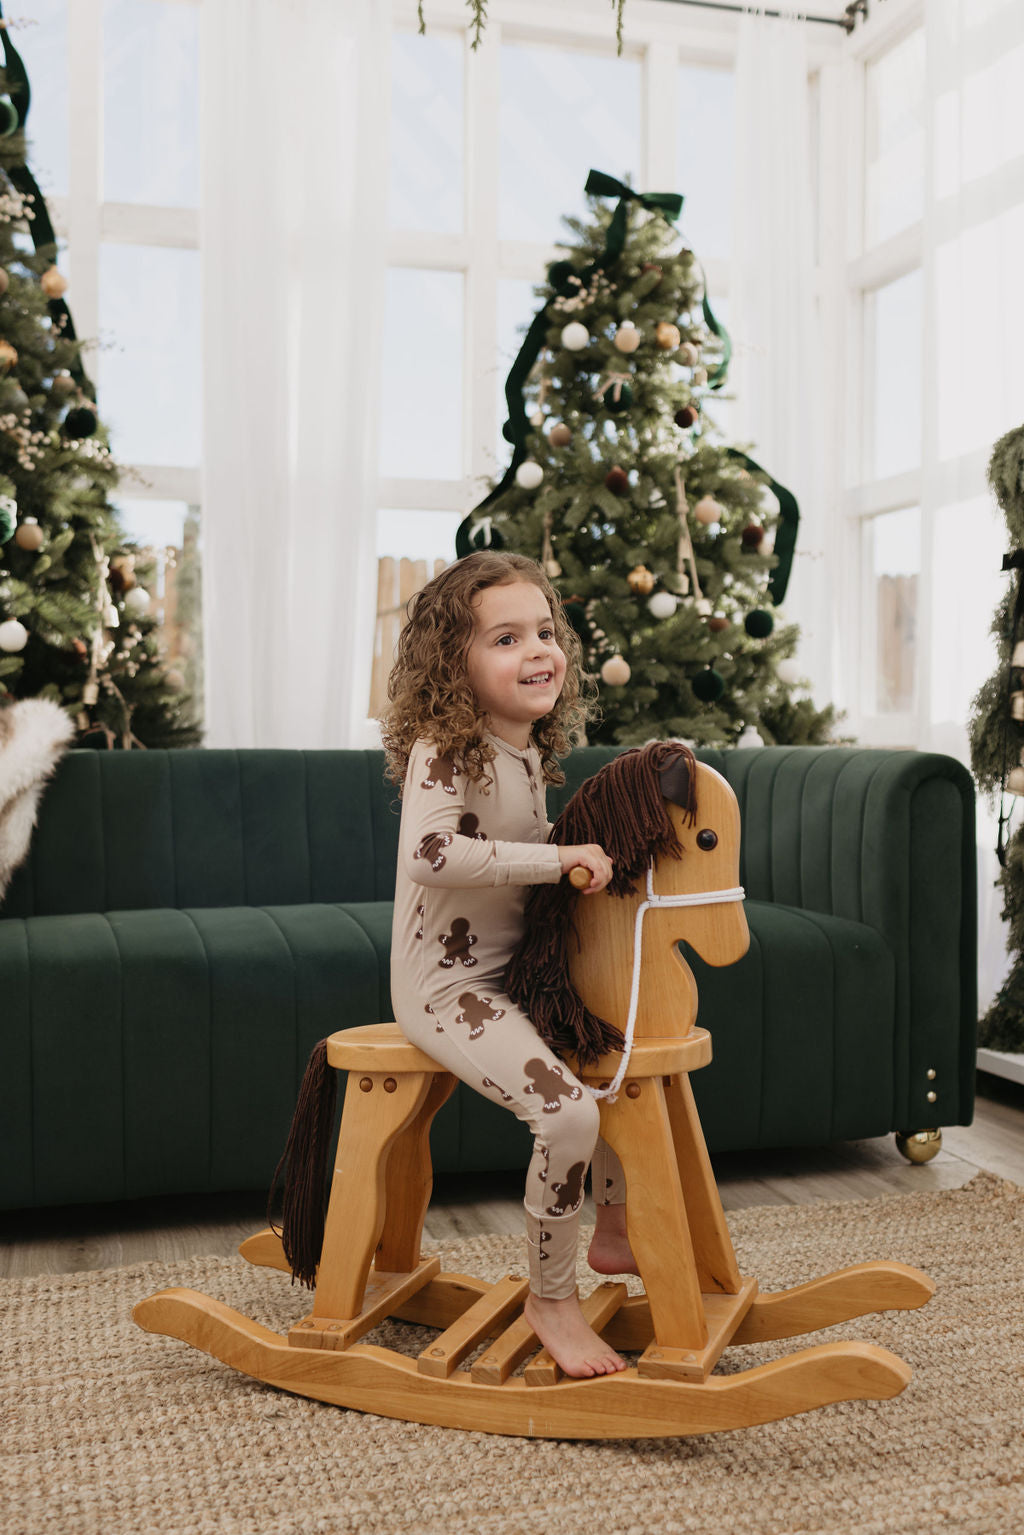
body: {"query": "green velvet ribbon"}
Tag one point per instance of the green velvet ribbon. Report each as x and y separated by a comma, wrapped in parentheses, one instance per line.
(44, 240)
(785, 533)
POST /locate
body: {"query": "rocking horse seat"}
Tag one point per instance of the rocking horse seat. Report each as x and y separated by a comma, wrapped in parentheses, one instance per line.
(383, 1047)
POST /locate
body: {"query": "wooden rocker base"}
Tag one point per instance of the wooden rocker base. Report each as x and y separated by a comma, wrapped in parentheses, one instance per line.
(654, 1399)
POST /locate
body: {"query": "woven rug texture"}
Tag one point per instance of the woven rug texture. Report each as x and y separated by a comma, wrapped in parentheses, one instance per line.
(108, 1430)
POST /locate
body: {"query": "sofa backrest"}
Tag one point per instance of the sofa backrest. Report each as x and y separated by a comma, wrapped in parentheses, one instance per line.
(121, 831)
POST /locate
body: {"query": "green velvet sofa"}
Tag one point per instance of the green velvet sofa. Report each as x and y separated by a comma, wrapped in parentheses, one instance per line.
(188, 924)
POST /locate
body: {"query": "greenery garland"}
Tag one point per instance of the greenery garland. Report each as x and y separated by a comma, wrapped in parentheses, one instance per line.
(478, 11)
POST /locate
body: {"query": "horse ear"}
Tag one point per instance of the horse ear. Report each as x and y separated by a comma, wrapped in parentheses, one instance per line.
(676, 783)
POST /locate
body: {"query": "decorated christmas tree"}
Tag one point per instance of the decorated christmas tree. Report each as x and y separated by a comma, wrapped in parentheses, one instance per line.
(997, 742)
(670, 549)
(76, 619)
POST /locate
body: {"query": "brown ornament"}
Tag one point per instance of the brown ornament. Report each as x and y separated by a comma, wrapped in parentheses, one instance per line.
(559, 435)
(5, 281)
(62, 385)
(641, 580)
(752, 535)
(617, 481)
(8, 356)
(686, 416)
(53, 283)
(716, 624)
(80, 649)
(667, 336)
(29, 535)
(122, 572)
(616, 671)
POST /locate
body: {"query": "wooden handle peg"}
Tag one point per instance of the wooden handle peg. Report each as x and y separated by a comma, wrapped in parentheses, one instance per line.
(580, 877)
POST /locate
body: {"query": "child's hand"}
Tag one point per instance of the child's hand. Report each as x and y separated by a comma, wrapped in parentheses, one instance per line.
(591, 857)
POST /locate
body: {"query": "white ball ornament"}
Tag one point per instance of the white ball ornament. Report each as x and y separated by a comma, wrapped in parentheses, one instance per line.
(616, 671)
(662, 604)
(789, 672)
(627, 337)
(704, 607)
(687, 354)
(749, 738)
(537, 419)
(529, 474)
(13, 636)
(575, 336)
(137, 601)
(708, 510)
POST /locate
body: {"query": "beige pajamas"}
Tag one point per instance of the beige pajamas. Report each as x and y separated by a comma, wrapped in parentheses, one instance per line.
(467, 855)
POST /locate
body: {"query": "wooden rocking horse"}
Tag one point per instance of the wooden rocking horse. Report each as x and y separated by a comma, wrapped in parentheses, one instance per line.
(695, 1301)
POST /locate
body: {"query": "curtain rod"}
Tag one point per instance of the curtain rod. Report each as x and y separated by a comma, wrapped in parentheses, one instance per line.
(847, 21)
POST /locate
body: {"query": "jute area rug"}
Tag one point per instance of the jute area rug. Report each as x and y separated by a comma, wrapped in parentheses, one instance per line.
(109, 1429)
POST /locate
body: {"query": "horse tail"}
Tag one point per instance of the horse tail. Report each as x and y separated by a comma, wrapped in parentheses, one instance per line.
(306, 1188)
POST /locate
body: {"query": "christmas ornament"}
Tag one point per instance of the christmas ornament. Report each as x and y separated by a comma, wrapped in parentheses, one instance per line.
(62, 385)
(53, 283)
(1015, 781)
(563, 277)
(575, 336)
(617, 481)
(688, 579)
(641, 580)
(8, 517)
(716, 623)
(13, 636)
(708, 510)
(122, 572)
(703, 607)
(8, 356)
(615, 393)
(1017, 659)
(759, 624)
(5, 281)
(652, 266)
(29, 535)
(80, 422)
(666, 335)
(749, 738)
(688, 354)
(662, 604)
(537, 419)
(616, 672)
(1017, 706)
(175, 680)
(552, 569)
(699, 377)
(708, 685)
(137, 601)
(789, 672)
(8, 117)
(686, 416)
(560, 435)
(752, 536)
(80, 649)
(529, 474)
(627, 337)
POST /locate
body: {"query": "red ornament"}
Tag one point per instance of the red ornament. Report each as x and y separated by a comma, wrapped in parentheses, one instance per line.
(617, 481)
(752, 535)
(717, 624)
(686, 416)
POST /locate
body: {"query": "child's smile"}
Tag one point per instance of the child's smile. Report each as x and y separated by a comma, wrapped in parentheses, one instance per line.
(515, 665)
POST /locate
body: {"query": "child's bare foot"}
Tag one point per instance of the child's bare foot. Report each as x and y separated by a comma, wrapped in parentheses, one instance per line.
(569, 1339)
(610, 1252)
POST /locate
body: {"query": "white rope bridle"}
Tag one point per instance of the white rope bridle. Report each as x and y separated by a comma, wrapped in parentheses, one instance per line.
(698, 898)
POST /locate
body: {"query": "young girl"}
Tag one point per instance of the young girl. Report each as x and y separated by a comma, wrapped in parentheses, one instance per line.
(485, 692)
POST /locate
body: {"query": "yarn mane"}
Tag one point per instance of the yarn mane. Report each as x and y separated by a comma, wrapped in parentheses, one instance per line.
(622, 807)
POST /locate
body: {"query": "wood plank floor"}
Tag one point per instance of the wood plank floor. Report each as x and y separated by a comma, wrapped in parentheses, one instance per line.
(74, 1238)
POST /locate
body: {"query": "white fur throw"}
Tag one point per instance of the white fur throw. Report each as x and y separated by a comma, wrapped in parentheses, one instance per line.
(34, 735)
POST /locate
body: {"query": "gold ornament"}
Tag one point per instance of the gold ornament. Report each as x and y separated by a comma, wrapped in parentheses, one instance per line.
(559, 435)
(627, 337)
(641, 580)
(62, 385)
(616, 671)
(8, 356)
(5, 281)
(920, 1146)
(53, 283)
(667, 336)
(29, 535)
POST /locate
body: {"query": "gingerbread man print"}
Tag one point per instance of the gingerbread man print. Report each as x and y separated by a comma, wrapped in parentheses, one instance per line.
(440, 770)
(476, 1011)
(551, 1084)
(570, 1193)
(469, 826)
(457, 943)
(505, 1097)
(431, 847)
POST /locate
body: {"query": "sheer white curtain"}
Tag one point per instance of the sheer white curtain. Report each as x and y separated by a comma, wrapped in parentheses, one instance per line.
(973, 255)
(294, 112)
(777, 367)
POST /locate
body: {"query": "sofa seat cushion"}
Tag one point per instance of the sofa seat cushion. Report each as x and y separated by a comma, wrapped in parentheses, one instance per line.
(161, 1050)
(803, 1033)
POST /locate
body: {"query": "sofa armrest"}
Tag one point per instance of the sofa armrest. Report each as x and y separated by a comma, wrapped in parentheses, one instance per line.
(887, 839)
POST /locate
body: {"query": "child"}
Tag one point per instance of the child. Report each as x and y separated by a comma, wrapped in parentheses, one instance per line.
(484, 693)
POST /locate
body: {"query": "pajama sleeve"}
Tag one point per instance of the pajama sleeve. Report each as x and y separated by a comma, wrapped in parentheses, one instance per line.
(434, 852)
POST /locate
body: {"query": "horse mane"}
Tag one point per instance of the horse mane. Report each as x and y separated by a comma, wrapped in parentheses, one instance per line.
(622, 808)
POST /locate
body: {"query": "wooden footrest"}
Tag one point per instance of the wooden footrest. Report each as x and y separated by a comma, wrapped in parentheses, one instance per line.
(723, 1314)
(384, 1293)
(598, 1309)
(483, 1319)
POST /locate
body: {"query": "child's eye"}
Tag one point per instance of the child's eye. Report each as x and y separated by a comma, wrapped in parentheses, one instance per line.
(504, 637)
(547, 634)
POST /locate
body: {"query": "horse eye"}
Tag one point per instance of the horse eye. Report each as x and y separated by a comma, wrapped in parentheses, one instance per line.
(706, 840)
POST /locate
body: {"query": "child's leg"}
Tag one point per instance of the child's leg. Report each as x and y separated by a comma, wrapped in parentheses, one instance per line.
(607, 1179)
(609, 1252)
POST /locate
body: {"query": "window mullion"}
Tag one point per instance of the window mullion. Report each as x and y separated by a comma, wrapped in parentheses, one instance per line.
(481, 158)
(85, 172)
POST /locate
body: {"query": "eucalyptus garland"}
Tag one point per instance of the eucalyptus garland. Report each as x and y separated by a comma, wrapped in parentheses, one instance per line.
(478, 11)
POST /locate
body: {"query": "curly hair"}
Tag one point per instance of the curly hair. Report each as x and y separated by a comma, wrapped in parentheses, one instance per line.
(429, 689)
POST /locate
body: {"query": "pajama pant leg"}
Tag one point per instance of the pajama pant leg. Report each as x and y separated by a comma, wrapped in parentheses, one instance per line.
(487, 1042)
(607, 1178)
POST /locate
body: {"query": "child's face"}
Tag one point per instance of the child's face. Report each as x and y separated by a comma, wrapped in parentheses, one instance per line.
(515, 666)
